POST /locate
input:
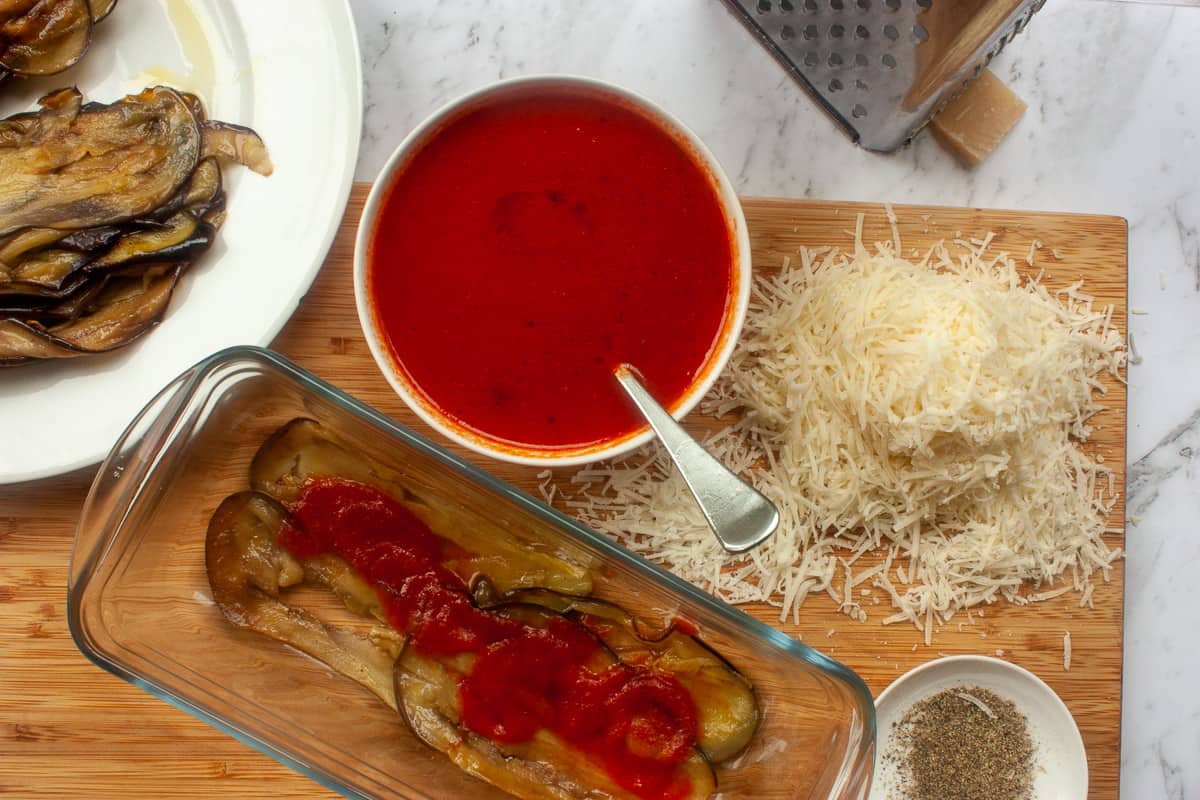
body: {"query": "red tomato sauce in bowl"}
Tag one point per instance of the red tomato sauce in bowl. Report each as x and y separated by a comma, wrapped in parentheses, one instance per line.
(531, 244)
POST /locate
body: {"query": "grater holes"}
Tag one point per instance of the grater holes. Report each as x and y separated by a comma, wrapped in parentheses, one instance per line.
(764, 6)
(837, 31)
(861, 85)
(889, 60)
(810, 6)
(835, 85)
(837, 5)
(890, 32)
(787, 32)
(835, 60)
(864, 5)
(786, 6)
(861, 32)
(811, 59)
(919, 33)
(859, 111)
(811, 32)
(924, 4)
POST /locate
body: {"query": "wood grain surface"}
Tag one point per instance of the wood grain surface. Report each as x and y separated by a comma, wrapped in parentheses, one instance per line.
(69, 730)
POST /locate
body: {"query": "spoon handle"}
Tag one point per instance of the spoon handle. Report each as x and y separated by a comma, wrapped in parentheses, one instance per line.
(738, 514)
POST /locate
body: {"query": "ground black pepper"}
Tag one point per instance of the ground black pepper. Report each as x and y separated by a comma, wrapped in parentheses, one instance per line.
(964, 743)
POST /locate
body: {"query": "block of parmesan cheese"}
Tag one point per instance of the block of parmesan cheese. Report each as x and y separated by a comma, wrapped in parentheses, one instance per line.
(972, 124)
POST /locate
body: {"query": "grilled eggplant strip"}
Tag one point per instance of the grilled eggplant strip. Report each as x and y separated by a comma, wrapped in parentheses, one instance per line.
(546, 767)
(14, 246)
(180, 238)
(50, 269)
(68, 167)
(202, 192)
(303, 449)
(54, 272)
(247, 571)
(126, 309)
(56, 276)
(42, 37)
(235, 143)
(728, 711)
(203, 186)
(71, 307)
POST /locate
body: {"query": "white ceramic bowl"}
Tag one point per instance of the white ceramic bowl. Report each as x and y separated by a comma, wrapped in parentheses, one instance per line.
(517, 453)
(1061, 773)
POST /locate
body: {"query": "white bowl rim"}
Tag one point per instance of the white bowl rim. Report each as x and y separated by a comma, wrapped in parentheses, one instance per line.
(961, 665)
(530, 456)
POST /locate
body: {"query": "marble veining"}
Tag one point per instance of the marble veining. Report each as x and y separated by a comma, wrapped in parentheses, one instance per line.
(1113, 127)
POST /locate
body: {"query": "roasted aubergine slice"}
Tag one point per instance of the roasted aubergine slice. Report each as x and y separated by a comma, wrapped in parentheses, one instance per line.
(43, 37)
(304, 449)
(248, 571)
(430, 696)
(728, 711)
(72, 166)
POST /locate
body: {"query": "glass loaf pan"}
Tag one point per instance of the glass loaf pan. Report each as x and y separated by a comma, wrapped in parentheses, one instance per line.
(139, 602)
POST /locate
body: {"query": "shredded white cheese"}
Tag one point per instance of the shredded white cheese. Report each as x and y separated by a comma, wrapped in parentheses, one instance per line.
(975, 701)
(896, 411)
(1135, 357)
(1067, 651)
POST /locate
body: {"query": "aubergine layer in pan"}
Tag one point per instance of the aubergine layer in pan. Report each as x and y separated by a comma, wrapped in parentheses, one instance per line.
(44, 37)
(102, 207)
(253, 563)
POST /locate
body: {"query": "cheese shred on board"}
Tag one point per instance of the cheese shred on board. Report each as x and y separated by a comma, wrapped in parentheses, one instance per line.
(926, 412)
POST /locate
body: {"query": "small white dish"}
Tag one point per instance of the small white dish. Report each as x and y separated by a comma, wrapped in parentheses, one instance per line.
(1061, 770)
(510, 451)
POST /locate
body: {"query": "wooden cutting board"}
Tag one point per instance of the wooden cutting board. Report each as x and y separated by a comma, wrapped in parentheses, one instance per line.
(67, 729)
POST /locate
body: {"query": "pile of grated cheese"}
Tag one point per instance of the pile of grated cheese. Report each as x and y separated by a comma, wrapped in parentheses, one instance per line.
(925, 412)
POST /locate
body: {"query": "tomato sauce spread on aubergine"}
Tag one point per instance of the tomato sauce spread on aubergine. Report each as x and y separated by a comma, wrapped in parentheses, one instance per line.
(637, 724)
(532, 245)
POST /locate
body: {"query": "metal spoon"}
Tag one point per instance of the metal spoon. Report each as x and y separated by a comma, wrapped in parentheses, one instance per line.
(738, 514)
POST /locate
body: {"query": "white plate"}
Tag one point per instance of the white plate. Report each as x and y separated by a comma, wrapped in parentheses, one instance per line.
(298, 82)
(1061, 773)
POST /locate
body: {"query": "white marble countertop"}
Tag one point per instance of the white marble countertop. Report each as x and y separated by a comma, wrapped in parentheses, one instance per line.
(1113, 127)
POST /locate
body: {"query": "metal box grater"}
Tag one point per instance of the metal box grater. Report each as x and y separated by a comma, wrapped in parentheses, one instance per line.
(883, 68)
